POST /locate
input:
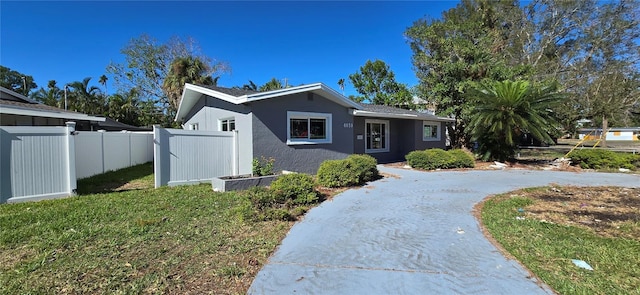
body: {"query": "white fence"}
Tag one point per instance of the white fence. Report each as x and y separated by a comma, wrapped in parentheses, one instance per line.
(189, 156)
(38, 162)
(99, 152)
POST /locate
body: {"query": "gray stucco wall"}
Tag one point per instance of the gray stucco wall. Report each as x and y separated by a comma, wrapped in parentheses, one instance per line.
(404, 136)
(270, 132)
(207, 113)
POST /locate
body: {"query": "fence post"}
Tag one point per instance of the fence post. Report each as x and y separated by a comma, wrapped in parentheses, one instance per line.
(157, 157)
(71, 158)
(236, 153)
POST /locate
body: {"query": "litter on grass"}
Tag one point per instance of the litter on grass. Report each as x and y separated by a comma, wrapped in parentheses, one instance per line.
(582, 264)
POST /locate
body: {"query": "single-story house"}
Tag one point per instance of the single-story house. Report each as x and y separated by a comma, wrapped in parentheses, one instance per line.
(615, 133)
(302, 126)
(19, 110)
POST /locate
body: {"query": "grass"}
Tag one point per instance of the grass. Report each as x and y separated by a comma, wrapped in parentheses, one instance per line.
(122, 237)
(557, 229)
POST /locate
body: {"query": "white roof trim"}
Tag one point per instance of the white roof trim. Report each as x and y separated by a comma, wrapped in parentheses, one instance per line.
(192, 94)
(13, 110)
(361, 113)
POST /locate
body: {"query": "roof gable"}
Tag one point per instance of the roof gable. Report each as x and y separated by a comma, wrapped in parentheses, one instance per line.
(192, 94)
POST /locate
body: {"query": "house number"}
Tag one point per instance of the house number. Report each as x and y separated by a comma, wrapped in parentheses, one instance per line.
(348, 125)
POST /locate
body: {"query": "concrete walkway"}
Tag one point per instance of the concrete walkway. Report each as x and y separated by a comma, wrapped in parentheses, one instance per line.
(414, 234)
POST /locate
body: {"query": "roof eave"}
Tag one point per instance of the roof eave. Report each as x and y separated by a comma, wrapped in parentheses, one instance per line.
(361, 113)
(13, 110)
(192, 93)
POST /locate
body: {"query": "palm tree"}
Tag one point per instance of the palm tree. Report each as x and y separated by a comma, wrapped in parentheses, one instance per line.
(50, 96)
(505, 111)
(103, 82)
(251, 86)
(271, 85)
(185, 70)
(341, 84)
(85, 98)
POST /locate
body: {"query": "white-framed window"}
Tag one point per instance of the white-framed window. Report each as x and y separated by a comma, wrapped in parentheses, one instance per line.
(376, 136)
(430, 131)
(227, 124)
(308, 128)
(194, 126)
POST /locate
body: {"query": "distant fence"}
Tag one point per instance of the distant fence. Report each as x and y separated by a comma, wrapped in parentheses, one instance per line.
(99, 152)
(42, 162)
(190, 156)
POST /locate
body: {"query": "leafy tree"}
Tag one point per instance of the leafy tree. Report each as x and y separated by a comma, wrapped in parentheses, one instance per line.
(16, 81)
(185, 70)
(505, 111)
(51, 96)
(148, 62)
(377, 83)
(469, 45)
(273, 84)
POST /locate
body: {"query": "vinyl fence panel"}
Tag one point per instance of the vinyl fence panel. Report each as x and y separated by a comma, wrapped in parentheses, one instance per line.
(100, 152)
(190, 156)
(36, 163)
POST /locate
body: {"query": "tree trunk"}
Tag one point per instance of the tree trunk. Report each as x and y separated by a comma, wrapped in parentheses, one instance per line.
(605, 126)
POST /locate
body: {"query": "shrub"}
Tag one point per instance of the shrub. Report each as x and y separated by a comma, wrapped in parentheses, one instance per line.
(419, 159)
(262, 197)
(461, 159)
(439, 159)
(602, 159)
(430, 159)
(263, 166)
(365, 167)
(296, 187)
(278, 214)
(337, 173)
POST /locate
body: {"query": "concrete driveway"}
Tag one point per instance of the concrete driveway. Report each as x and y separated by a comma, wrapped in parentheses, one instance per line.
(414, 234)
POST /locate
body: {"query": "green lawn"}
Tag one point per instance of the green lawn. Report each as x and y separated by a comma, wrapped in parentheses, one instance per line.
(611, 247)
(131, 238)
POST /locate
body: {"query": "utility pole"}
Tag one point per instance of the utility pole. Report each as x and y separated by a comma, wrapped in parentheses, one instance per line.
(65, 96)
(24, 87)
(285, 83)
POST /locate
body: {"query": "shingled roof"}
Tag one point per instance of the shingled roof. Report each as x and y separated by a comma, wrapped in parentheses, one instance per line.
(382, 110)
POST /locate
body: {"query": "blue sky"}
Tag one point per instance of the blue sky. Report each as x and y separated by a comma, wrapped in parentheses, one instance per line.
(305, 42)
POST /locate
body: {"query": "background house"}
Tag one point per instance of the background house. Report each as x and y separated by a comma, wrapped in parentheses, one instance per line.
(302, 126)
(615, 133)
(18, 110)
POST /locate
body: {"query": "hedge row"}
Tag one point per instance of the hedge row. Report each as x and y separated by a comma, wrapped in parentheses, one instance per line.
(354, 170)
(432, 159)
(604, 159)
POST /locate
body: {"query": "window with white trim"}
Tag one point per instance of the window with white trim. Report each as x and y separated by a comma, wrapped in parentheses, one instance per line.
(308, 128)
(430, 131)
(376, 136)
(228, 124)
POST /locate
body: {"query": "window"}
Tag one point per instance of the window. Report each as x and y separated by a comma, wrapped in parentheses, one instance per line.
(377, 136)
(430, 131)
(193, 126)
(228, 124)
(308, 128)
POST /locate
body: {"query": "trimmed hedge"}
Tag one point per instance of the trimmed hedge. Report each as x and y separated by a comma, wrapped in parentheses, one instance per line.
(604, 159)
(462, 159)
(432, 159)
(354, 170)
